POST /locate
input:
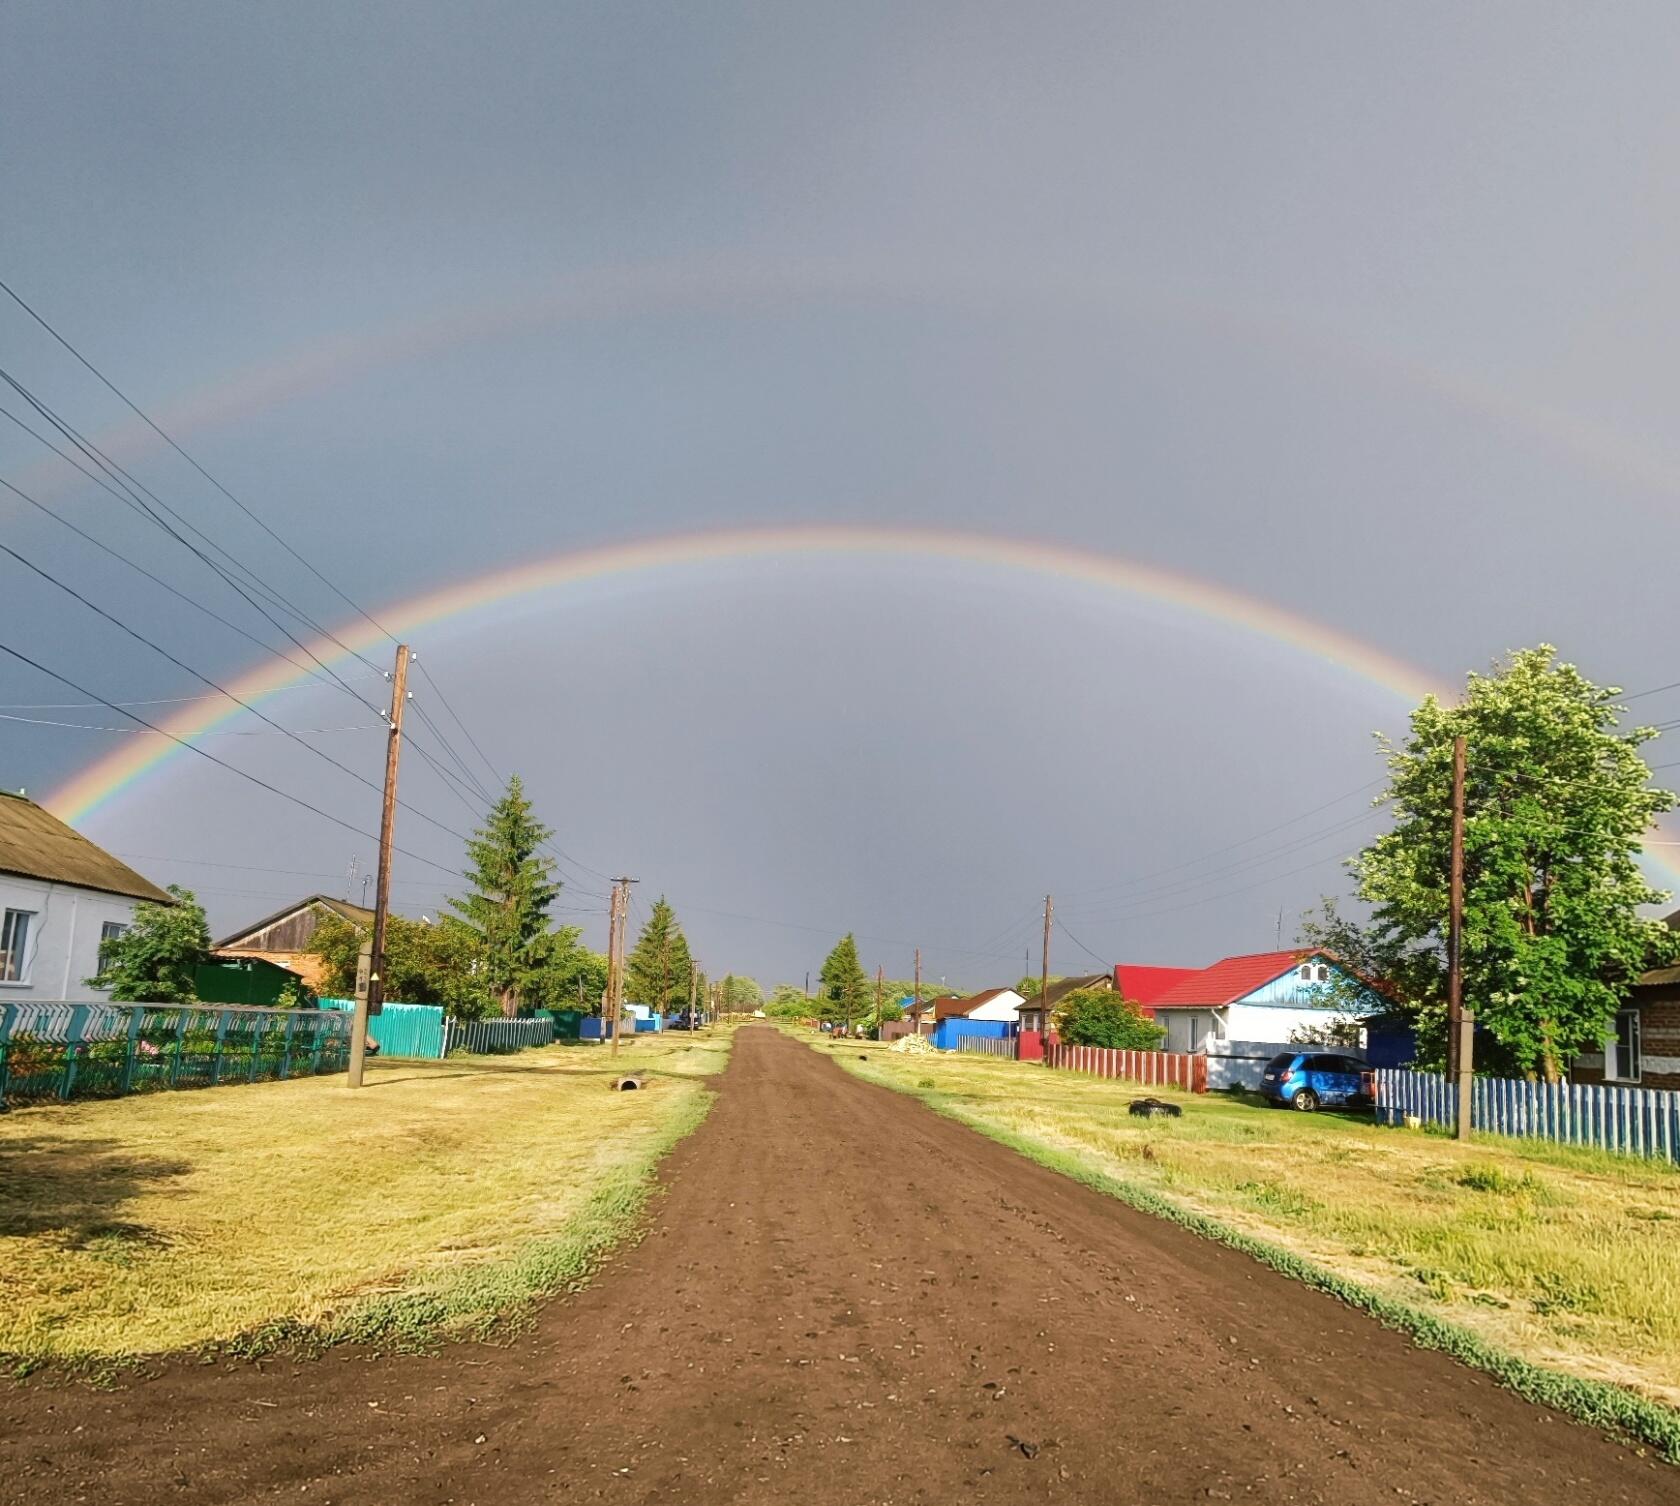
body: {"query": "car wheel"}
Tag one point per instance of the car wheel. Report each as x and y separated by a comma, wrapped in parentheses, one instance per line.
(1306, 1101)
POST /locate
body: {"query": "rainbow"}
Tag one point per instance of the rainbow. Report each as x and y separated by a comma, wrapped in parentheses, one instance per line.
(108, 777)
(742, 285)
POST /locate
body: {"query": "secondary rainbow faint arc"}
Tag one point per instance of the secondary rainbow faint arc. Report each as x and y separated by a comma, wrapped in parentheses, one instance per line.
(116, 772)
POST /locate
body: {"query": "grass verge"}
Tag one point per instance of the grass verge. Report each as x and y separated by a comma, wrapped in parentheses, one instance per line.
(446, 1199)
(1275, 1205)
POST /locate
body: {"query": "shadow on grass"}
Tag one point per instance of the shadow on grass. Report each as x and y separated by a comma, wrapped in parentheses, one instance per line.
(75, 1189)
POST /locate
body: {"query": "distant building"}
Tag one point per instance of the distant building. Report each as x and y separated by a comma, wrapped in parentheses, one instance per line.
(61, 900)
(1642, 1046)
(1262, 996)
(283, 938)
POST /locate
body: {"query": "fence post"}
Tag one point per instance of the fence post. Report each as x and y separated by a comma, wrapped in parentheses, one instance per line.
(315, 1036)
(216, 1050)
(72, 1049)
(131, 1049)
(286, 1046)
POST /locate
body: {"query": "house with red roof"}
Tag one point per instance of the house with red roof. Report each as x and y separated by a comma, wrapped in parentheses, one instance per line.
(1261, 996)
(1141, 984)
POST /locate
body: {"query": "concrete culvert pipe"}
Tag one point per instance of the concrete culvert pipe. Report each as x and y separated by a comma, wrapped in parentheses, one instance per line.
(627, 1085)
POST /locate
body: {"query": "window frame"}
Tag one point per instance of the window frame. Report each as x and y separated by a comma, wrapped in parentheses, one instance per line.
(1614, 1053)
(109, 931)
(15, 971)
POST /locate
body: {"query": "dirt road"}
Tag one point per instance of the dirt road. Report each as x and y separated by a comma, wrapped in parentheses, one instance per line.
(844, 1299)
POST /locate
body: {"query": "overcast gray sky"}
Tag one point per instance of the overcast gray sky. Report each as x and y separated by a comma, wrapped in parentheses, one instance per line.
(1365, 311)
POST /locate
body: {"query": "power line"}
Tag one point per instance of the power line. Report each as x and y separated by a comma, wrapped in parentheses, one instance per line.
(169, 439)
(1062, 927)
(140, 637)
(130, 496)
(35, 664)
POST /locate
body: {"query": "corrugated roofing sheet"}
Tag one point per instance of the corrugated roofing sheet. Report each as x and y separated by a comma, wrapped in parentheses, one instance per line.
(36, 844)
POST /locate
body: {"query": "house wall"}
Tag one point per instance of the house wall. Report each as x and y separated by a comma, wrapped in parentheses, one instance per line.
(62, 949)
(1659, 1043)
(289, 934)
(1289, 991)
(1187, 1029)
(1277, 1022)
(1005, 1006)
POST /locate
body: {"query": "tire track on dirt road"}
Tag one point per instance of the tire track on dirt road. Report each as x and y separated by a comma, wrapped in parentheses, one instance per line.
(841, 1299)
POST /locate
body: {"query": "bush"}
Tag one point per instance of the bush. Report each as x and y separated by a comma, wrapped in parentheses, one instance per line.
(1098, 1017)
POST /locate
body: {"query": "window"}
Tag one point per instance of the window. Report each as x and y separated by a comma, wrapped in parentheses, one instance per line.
(112, 930)
(1621, 1049)
(14, 945)
(1323, 973)
(1306, 972)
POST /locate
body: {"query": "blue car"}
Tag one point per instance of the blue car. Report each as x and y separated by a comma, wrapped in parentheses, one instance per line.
(1309, 1080)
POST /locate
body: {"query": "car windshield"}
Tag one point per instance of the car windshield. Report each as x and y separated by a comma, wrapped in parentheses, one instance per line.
(1280, 1063)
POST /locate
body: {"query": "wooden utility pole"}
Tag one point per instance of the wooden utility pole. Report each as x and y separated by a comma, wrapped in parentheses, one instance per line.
(1044, 979)
(375, 995)
(615, 955)
(1461, 1023)
(879, 974)
(916, 997)
(693, 993)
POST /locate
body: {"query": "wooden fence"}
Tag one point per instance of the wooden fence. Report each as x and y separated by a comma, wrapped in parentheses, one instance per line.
(1634, 1121)
(1174, 1069)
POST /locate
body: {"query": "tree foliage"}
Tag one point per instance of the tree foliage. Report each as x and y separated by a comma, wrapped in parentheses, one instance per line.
(845, 992)
(657, 968)
(739, 994)
(512, 886)
(156, 960)
(788, 1001)
(1028, 987)
(1557, 802)
(424, 964)
(1100, 1017)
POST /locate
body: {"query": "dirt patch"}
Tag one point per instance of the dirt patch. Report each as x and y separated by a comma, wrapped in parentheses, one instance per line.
(844, 1299)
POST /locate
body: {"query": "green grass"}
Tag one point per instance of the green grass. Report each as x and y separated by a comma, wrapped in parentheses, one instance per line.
(1555, 1269)
(446, 1198)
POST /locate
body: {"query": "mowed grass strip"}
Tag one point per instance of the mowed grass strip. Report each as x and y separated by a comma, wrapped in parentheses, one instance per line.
(1566, 1258)
(445, 1196)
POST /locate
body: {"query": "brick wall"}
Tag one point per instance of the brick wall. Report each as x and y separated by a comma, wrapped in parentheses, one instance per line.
(1659, 1042)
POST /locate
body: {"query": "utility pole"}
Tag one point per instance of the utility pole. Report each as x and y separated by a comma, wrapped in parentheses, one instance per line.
(1461, 1023)
(375, 995)
(615, 955)
(1044, 979)
(916, 998)
(879, 974)
(693, 992)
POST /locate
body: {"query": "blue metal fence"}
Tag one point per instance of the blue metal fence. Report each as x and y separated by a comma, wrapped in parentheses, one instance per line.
(402, 1029)
(1634, 1121)
(98, 1050)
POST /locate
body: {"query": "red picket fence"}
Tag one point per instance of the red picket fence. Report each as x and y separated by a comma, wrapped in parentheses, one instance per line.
(1176, 1069)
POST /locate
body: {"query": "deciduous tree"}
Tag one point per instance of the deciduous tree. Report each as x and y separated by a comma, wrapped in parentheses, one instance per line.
(157, 959)
(1558, 802)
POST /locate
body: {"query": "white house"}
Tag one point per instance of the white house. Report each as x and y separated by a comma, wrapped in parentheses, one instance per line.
(61, 899)
(992, 1004)
(1264, 996)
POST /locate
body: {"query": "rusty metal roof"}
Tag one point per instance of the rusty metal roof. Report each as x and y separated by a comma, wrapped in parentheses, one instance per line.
(36, 844)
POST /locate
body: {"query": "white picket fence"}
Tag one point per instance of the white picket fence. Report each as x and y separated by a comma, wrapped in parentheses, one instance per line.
(489, 1037)
(1634, 1121)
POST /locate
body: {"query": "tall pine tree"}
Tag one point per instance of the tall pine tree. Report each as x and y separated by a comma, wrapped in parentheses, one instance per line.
(512, 888)
(844, 986)
(657, 969)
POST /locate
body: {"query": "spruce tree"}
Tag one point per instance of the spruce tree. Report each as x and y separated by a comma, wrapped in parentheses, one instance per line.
(657, 968)
(844, 987)
(512, 888)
